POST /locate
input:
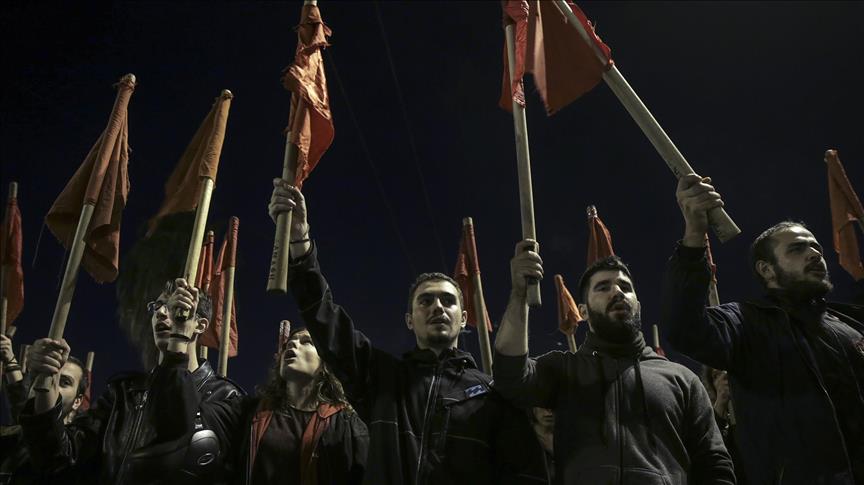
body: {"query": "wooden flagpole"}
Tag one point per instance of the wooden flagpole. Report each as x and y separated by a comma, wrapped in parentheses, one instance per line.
(88, 364)
(523, 163)
(202, 352)
(4, 270)
(722, 225)
(571, 342)
(655, 331)
(228, 302)
(277, 279)
(23, 351)
(479, 301)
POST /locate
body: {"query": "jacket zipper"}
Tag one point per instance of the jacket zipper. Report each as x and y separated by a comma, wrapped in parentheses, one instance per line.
(430, 400)
(132, 436)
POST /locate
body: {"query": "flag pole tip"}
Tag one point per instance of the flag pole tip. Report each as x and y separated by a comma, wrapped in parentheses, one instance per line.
(13, 190)
(830, 153)
(226, 93)
(467, 221)
(592, 211)
(129, 78)
(311, 2)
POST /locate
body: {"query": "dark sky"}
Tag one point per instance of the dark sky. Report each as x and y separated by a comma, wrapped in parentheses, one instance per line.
(752, 94)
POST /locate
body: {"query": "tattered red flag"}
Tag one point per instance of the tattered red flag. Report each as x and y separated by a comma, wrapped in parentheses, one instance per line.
(204, 275)
(311, 126)
(599, 239)
(10, 252)
(467, 265)
(568, 312)
(199, 161)
(563, 64)
(846, 210)
(86, 399)
(227, 258)
(102, 181)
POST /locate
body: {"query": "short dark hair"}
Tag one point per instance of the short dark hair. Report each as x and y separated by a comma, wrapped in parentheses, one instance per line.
(423, 278)
(205, 305)
(762, 248)
(609, 263)
(85, 379)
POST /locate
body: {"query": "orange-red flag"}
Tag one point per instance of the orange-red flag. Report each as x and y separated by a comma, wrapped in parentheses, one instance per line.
(599, 239)
(846, 210)
(200, 161)
(102, 180)
(564, 66)
(227, 258)
(86, 400)
(568, 313)
(205, 263)
(467, 265)
(310, 127)
(10, 252)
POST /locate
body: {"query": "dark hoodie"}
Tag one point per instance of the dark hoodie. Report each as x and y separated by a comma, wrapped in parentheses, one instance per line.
(623, 414)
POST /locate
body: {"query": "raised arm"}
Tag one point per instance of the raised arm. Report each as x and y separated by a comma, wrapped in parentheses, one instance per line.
(709, 335)
(345, 350)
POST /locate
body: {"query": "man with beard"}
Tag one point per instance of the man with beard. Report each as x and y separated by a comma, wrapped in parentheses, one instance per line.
(433, 417)
(795, 363)
(623, 414)
(114, 441)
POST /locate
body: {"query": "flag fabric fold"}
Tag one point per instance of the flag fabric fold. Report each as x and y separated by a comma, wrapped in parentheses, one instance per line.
(102, 181)
(10, 251)
(199, 161)
(846, 211)
(310, 125)
(599, 238)
(212, 336)
(468, 265)
(568, 312)
(86, 399)
(564, 66)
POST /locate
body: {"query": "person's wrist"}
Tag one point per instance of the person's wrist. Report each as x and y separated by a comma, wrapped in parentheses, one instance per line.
(693, 237)
(300, 236)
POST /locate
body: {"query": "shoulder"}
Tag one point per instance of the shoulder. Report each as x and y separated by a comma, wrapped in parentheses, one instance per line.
(221, 388)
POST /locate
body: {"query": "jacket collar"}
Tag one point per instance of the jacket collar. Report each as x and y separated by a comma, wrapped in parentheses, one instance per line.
(202, 374)
(594, 343)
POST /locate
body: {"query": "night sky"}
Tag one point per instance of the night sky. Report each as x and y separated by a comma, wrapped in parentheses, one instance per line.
(752, 94)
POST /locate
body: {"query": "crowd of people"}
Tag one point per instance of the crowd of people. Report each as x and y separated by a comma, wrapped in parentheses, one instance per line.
(781, 399)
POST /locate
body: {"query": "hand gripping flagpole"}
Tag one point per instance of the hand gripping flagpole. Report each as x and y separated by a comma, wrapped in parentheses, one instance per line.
(722, 225)
(523, 163)
(277, 279)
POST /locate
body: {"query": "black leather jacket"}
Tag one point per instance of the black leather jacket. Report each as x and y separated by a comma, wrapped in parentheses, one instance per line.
(98, 443)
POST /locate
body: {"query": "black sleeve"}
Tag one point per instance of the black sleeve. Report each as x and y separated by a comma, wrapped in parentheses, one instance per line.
(709, 459)
(16, 392)
(529, 382)
(173, 400)
(712, 335)
(514, 444)
(347, 352)
(53, 447)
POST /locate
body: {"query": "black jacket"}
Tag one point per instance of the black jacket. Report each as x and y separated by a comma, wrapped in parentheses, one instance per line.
(432, 420)
(340, 455)
(624, 419)
(786, 426)
(95, 446)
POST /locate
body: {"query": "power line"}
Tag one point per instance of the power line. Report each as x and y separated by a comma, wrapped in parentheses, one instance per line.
(411, 140)
(375, 173)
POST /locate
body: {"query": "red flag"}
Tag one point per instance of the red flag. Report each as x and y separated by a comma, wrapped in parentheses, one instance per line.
(227, 258)
(467, 265)
(199, 161)
(10, 252)
(599, 239)
(568, 313)
(563, 64)
(102, 181)
(86, 400)
(205, 263)
(311, 127)
(846, 210)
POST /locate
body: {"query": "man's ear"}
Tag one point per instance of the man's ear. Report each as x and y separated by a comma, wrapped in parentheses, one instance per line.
(765, 270)
(583, 310)
(201, 325)
(408, 322)
(77, 402)
(464, 319)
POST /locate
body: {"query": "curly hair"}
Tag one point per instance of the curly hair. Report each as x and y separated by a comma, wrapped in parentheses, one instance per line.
(327, 387)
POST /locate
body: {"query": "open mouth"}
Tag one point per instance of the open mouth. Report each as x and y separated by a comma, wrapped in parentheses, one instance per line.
(438, 321)
(162, 328)
(289, 355)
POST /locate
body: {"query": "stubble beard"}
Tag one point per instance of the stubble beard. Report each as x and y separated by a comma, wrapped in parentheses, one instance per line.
(614, 330)
(801, 289)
